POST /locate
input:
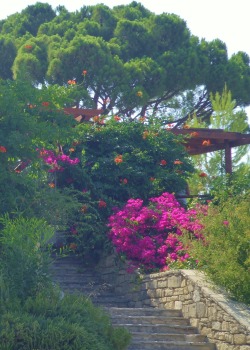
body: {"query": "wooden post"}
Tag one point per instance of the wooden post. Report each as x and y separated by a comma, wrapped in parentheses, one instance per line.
(228, 158)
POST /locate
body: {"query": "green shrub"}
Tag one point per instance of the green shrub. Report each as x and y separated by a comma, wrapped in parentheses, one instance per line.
(24, 257)
(224, 255)
(49, 321)
(119, 160)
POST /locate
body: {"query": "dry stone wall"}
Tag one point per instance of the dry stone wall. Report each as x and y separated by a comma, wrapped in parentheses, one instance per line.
(223, 321)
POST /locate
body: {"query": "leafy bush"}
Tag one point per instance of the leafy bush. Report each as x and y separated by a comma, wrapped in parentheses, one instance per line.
(148, 236)
(24, 257)
(48, 321)
(119, 160)
(130, 159)
(224, 255)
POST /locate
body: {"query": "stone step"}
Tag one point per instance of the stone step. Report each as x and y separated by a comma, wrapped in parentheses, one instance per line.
(159, 328)
(89, 283)
(144, 311)
(190, 338)
(170, 345)
(151, 328)
(154, 319)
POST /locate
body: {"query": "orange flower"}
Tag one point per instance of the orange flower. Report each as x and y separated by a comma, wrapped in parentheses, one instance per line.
(163, 162)
(51, 185)
(177, 162)
(202, 174)
(194, 134)
(45, 104)
(71, 82)
(96, 119)
(3, 149)
(84, 208)
(84, 72)
(102, 204)
(152, 179)
(139, 93)
(206, 143)
(72, 246)
(142, 119)
(169, 126)
(185, 126)
(118, 159)
(28, 47)
(117, 118)
(145, 134)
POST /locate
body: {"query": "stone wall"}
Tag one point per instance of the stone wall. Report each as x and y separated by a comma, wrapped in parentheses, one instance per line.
(223, 321)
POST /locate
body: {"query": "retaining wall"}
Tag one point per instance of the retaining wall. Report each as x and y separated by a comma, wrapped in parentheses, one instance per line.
(223, 321)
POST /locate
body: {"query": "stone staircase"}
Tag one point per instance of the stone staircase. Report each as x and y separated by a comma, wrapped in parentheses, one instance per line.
(151, 328)
(161, 329)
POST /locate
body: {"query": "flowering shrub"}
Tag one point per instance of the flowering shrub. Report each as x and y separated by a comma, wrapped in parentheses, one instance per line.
(148, 235)
(224, 252)
(55, 161)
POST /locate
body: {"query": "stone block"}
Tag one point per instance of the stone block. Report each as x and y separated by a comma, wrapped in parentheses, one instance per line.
(162, 284)
(234, 329)
(212, 313)
(178, 305)
(188, 297)
(200, 310)
(168, 292)
(194, 322)
(239, 339)
(216, 326)
(174, 282)
(183, 283)
(196, 296)
(191, 310)
(190, 287)
(225, 326)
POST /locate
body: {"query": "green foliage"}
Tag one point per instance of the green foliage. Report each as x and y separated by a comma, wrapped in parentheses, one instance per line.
(7, 57)
(142, 147)
(106, 42)
(227, 118)
(48, 321)
(224, 255)
(25, 125)
(119, 160)
(24, 257)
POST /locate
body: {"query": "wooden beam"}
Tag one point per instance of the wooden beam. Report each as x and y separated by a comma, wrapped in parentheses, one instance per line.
(228, 158)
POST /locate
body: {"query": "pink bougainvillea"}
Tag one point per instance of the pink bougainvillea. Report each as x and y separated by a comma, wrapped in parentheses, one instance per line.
(56, 161)
(148, 236)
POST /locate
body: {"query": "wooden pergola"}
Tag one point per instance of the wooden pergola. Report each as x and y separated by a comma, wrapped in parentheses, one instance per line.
(200, 141)
(197, 140)
(81, 114)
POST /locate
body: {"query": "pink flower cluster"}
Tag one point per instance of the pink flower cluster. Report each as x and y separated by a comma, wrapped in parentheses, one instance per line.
(148, 235)
(55, 161)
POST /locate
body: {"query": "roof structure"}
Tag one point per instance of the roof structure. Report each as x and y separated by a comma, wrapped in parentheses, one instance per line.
(200, 141)
(82, 115)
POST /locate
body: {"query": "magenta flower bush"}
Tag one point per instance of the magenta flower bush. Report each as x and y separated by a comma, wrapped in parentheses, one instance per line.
(147, 236)
(56, 162)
